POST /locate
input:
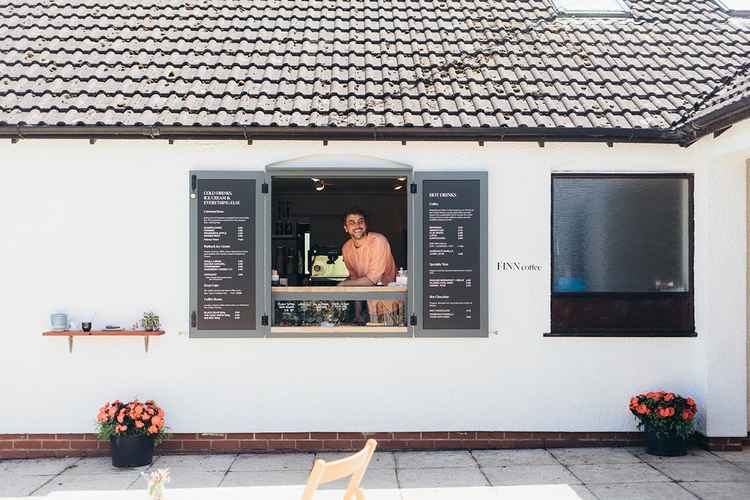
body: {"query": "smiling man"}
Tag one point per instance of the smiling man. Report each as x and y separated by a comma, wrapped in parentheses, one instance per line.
(368, 259)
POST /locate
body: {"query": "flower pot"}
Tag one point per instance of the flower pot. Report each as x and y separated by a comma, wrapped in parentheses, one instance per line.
(132, 451)
(665, 445)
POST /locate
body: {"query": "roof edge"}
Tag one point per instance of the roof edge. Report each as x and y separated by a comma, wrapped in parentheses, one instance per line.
(480, 134)
(716, 120)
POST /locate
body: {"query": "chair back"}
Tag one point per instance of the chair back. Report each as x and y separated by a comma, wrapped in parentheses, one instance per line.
(354, 466)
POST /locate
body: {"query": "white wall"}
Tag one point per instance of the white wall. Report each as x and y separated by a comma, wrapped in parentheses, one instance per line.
(104, 228)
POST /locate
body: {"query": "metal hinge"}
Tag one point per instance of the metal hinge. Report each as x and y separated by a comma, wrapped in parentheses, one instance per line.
(264, 188)
(413, 188)
(264, 320)
(413, 320)
(193, 182)
(193, 319)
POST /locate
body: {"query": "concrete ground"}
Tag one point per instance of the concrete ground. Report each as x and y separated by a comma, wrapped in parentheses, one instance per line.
(560, 474)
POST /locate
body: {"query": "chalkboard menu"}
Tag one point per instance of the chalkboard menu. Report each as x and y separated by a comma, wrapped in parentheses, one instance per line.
(451, 254)
(226, 254)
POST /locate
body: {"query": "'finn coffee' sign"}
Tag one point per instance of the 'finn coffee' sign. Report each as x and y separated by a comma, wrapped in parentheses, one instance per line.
(226, 254)
(451, 254)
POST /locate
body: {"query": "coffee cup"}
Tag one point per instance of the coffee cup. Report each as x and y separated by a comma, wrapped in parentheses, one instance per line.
(86, 326)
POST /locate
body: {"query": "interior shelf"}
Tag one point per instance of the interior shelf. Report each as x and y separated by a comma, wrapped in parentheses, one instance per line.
(103, 333)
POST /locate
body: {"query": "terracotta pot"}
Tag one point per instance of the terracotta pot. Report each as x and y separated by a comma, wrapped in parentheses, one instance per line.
(665, 445)
(132, 451)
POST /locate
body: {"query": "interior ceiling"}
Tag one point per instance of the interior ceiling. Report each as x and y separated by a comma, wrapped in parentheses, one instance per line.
(339, 185)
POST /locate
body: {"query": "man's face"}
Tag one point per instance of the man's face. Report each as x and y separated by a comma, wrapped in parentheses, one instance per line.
(355, 226)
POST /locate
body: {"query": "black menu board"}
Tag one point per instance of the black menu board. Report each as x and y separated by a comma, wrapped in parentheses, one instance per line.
(226, 254)
(451, 254)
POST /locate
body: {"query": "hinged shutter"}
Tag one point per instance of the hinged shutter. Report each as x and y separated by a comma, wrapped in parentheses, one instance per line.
(449, 262)
(227, 254)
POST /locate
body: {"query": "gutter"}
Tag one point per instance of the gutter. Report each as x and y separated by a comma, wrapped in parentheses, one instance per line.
(403, 134)
(716, 121)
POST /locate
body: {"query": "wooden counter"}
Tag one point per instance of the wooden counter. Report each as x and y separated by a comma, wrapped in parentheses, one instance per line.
(339, 292)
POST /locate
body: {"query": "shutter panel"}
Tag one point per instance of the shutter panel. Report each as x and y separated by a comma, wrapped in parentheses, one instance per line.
(449, 261)
(228, 278)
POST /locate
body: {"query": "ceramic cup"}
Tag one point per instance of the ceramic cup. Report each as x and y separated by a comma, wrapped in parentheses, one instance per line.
(59, 321)
(86, 326)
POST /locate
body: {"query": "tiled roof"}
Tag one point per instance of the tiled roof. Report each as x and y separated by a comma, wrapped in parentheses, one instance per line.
(362, 63)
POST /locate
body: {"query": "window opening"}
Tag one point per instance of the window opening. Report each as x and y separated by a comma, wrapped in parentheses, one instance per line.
(592, 8)
(339, 252)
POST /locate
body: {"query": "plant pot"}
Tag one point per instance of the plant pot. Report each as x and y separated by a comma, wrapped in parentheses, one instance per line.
(132, 451)
(665, 445)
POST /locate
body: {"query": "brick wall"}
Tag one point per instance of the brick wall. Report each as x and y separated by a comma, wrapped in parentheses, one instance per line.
(58, 445)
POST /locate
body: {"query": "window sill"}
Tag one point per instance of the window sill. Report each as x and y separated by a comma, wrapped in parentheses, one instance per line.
(623, 334)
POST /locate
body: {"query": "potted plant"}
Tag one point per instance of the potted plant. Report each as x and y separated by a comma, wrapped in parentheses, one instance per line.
(133, 429)
(150, 321)
(667, 419)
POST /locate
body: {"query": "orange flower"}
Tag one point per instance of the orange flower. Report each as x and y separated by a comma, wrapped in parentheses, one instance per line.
(138, 424)
(633, 402)
(690, 402)
(686, 415)
(669, 396)
(153, 430)
(145, 417)
(121, 428)
(642, 409)
(157, 420)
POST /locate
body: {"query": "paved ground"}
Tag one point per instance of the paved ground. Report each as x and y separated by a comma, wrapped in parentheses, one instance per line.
(569, 474)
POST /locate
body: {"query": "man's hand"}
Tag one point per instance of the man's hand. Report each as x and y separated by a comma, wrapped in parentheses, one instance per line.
(356, 282)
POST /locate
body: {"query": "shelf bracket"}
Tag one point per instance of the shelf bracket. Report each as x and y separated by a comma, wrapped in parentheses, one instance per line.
(70, 344)
(145, 342)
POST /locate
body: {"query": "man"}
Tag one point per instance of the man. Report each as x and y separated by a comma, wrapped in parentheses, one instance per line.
(369, 261)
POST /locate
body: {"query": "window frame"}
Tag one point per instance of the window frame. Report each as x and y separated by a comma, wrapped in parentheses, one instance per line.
(275, 332)
(685, 299)
(733, 12)
(561, 12)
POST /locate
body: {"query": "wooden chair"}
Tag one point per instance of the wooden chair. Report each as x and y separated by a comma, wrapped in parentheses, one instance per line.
(355, 466)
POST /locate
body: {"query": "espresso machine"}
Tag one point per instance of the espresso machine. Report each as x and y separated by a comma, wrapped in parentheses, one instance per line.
(325, 265)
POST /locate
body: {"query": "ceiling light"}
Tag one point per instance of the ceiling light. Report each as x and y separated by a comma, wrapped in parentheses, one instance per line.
(398, 187)
(402, 179)
(314, 179)
(320, 186)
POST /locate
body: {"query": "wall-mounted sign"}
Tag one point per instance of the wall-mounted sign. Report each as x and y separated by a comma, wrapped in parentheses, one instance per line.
(451, 254)
(226, 254)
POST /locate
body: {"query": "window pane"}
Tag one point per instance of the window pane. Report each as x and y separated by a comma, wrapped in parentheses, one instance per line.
(736, 4)
(620, 234)
(590, 6)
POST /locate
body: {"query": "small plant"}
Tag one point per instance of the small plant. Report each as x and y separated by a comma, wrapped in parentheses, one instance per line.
(156, 481)
(131, 419)
(150, 321)
(664, 413)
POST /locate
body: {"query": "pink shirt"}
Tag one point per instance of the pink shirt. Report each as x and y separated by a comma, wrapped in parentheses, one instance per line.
(373, 259)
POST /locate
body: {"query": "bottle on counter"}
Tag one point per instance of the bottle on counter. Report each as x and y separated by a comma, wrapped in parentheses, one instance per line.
(274, 277)
(401, 277)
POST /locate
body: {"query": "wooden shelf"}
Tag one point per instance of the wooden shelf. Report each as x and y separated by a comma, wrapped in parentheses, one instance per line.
(103, 333)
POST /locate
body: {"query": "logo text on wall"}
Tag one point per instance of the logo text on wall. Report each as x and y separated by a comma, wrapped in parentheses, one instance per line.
(517, 266)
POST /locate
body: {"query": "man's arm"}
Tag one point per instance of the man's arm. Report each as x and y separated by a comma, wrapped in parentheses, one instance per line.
(364, 281)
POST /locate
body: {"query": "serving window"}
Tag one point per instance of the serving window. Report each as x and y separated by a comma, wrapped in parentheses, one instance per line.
(622, 255)
(315, 252)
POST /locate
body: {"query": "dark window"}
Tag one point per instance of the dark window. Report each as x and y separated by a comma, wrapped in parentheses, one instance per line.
(622, 254)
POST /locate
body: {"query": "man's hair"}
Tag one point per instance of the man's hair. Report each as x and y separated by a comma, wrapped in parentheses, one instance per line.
(355, 211)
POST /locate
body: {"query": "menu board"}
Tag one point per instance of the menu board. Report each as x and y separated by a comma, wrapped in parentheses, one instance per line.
(451, 254)
(226, 254)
